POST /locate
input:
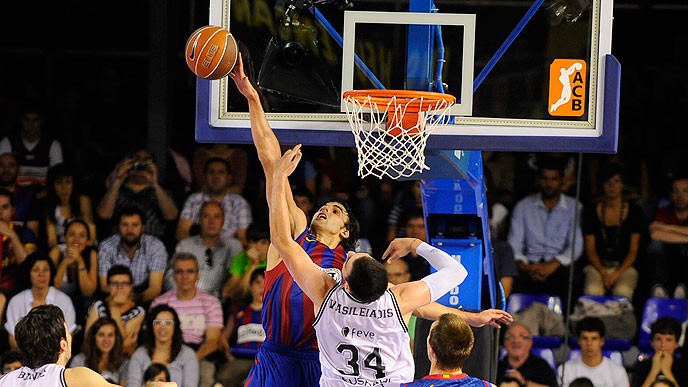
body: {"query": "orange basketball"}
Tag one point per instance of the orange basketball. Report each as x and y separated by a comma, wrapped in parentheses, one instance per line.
(211, 52)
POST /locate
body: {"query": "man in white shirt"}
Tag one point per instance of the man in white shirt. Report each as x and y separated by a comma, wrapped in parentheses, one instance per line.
(602, 371)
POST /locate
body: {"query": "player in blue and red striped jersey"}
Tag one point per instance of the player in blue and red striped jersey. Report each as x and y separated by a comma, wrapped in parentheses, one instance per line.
(290, 351)
(449, 344)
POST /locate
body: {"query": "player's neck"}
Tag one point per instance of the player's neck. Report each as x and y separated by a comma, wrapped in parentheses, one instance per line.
(436, 370)
(331, 240)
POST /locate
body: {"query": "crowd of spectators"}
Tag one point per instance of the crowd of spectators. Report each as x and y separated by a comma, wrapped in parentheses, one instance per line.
(108, 255)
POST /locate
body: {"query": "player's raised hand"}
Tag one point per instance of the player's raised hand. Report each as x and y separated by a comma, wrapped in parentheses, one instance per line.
(489, 317)
(241, 80)
(400, 247)
(288, 162)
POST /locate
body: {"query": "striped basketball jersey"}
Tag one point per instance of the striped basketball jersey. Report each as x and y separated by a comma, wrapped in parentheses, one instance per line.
(445, 380)
(287, 311)
(49, 375)
(362, 344)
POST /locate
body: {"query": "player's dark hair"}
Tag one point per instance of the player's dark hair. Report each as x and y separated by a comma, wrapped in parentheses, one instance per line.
(119, 270)
(153, 370)
(38, 335)
(666, 325)
(217, 160)
(452, 341)
(367, 279)
(590, 324)
(93, 353)
(177, 339)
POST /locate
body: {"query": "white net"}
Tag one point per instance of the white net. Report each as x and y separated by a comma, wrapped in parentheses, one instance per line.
(391, 138)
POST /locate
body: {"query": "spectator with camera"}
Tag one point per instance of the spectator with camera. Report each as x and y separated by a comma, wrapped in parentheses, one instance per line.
(135, 182)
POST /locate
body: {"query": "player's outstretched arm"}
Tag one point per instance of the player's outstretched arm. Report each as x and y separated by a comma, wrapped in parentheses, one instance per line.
(82, 376)
(413, 295)
(434, 310)
(314, 282)
(267, 145)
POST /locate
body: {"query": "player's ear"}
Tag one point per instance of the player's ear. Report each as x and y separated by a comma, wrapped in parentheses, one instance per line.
(345, 233)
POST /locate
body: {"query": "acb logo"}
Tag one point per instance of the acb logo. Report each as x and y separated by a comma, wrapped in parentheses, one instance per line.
(567, 87)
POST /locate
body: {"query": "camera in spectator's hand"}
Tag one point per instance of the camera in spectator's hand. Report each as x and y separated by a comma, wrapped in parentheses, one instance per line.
(140, 166)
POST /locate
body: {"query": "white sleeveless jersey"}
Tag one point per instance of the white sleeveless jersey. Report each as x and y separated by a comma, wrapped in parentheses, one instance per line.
(49, 375)
(362, 344)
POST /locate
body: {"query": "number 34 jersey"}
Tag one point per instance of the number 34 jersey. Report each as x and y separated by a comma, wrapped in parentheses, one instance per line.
(362, 344)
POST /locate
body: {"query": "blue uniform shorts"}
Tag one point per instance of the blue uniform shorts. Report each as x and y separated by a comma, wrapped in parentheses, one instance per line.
(278, 365)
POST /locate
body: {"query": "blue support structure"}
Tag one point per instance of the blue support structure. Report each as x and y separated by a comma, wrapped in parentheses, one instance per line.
(456, 198)
(457, 221)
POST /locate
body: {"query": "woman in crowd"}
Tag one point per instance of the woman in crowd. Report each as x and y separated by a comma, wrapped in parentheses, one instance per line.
(64, 202)
(612, 229)
(164, 345)
(120, 306)
(103, 352)
(77, 265)
(38, 271)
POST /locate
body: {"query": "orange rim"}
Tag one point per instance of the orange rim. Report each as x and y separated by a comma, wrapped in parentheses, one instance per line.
(410, 98)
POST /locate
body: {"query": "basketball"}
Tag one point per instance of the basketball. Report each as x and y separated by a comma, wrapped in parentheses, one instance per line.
(211, 52)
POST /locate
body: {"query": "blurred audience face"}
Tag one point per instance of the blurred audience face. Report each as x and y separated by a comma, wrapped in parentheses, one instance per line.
(131, 229)
(9, 367)
(257, 287)
(185, 274)
(63, 187)
(415, 228)
(679, 194)
(549, 181)
(662, 342)
(105, 338)
(120, 288)
(77, 236)
(163, 327)
(9, 170)
(144, 157)
(398, 272)
(217, 178)
(31, 125)
(40, 275)
(304, 203)
(613, 187)
(591, 343)
(212, 218)
(6, 209)
(518, 341)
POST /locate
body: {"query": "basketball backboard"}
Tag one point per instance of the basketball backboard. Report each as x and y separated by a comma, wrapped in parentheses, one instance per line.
(529, 75)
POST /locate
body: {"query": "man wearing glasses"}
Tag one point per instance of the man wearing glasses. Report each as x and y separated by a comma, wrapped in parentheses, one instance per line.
(520, 366)
(200, 314)
(213, 250)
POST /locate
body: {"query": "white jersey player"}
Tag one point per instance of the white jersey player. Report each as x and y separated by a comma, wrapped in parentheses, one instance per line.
(348, 329)
(46, 346)
(363, 298)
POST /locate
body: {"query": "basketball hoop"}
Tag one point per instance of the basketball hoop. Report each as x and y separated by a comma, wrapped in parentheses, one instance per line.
(391, 128)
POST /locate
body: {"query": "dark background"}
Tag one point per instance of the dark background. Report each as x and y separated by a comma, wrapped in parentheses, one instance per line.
(112, 74)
